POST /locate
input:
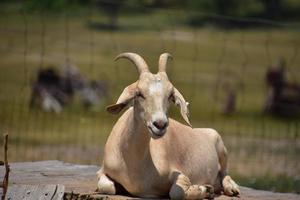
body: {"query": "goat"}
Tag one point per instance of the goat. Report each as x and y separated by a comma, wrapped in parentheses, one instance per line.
(151, 155)
(283, 97)
(48, 91)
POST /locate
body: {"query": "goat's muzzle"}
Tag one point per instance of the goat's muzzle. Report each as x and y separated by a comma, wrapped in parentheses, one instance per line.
(158, 128)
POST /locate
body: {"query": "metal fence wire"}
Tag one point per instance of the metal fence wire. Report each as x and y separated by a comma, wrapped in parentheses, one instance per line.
(220, 71)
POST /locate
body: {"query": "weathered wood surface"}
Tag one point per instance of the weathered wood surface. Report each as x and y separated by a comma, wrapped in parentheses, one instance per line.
(33, 192)
(82, 179)
(76, 178)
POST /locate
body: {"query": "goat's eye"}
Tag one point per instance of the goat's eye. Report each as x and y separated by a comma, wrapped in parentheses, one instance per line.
(140, 95)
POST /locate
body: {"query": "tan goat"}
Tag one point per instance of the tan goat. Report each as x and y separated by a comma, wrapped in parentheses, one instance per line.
(151, 155)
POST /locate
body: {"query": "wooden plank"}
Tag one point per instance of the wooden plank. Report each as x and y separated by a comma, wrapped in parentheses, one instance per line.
(19, 192)
(35, 192)
(81, 179)
(77, 178)
(43, 192)
(60, 191)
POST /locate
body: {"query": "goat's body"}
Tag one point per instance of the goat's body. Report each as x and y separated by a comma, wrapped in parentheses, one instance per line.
(151, 155)
(149, 170)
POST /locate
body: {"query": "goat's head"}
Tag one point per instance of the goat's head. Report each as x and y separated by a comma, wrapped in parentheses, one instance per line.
(151, 95)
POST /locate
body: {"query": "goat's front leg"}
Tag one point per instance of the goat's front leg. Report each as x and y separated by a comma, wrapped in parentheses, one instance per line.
(105, 184)
(183, 189)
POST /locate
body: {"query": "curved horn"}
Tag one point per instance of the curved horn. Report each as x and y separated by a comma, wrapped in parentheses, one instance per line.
(162, 63)
(136, 59)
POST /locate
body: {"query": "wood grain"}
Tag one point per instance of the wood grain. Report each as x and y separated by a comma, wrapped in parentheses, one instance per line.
(35, 192)
(81, 180)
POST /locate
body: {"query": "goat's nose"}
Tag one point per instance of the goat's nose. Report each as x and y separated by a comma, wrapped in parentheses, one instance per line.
(160, 124)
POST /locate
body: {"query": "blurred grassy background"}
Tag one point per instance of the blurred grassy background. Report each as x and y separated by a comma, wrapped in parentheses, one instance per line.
(263, 150)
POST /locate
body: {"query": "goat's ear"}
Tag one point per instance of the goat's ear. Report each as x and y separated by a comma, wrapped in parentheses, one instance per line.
(180, 102)
(124, 100)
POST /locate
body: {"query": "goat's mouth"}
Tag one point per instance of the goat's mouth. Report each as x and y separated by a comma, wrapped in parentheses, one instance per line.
(155, 132)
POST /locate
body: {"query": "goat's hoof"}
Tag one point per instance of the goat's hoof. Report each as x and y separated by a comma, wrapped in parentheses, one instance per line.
(106, 186)
(230, 187)
(210, 192)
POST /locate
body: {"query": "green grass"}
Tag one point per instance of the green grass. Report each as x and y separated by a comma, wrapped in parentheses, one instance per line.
(255, 141)
(278, 183)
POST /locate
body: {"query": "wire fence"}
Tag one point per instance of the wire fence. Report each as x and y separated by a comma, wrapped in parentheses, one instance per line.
(220, 71)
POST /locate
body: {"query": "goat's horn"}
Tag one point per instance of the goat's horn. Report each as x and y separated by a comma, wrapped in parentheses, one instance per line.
(137, 60)
(162, 63)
